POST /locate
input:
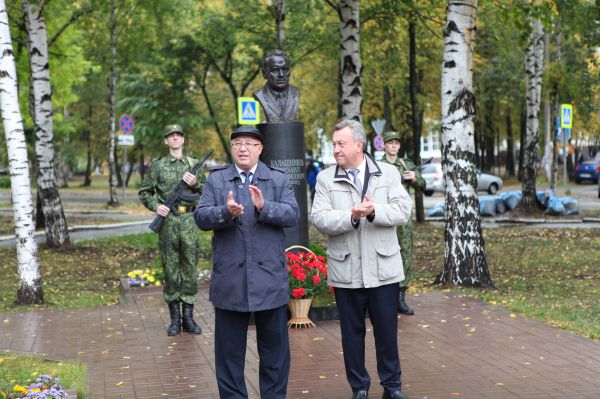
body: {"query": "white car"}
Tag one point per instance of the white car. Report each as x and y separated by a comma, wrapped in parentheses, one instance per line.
(434, 178)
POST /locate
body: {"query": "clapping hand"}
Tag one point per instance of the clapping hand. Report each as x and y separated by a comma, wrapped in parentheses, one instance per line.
(257, 197)
(365, 208)
(233, 208)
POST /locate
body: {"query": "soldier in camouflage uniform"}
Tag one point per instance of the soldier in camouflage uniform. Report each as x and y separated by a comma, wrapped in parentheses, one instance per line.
(178, 238)
(410, 178)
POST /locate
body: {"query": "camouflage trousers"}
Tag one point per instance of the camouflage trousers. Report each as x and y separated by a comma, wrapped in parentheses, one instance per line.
(179, 252)
(405, 239)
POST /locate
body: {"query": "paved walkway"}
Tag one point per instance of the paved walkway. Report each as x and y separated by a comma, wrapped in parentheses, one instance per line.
(454, 347)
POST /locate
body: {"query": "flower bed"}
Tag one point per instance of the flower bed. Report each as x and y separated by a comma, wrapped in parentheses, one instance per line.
(44, 387)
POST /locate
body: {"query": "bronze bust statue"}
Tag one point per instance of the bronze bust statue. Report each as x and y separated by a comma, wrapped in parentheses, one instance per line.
(278, 98)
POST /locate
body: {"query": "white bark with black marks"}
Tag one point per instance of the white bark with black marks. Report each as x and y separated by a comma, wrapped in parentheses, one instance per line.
(534, 65)
(30, 281)
(55, 224)
(112, 170)
(465, 260)
(350, 62)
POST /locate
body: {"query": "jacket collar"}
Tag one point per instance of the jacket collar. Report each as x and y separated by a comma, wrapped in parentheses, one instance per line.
(372, 169)
(262, 172)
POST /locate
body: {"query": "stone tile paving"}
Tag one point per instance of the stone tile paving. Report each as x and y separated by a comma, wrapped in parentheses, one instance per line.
(454, 347)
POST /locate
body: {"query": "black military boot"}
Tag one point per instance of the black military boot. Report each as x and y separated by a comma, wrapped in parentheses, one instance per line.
(175, 313)
(402, 306)
(189, 325)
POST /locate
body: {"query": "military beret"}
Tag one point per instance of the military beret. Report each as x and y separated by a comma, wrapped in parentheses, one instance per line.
(387, 136)
(172, 129)
(246, 130)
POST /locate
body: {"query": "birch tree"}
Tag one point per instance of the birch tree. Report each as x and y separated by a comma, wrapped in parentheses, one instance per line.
(112, 184)
(55, 224)
(278, 10)
(534, 63)
(465, 260)
(30, 280)
(350, 85)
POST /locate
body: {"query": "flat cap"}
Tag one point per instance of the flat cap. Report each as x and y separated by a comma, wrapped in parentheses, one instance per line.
(172, 129)
(246, 130)
(387, 136)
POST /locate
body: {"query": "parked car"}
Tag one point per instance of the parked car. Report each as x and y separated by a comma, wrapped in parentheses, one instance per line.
(432, 173)
(587, 171)
(434, 180)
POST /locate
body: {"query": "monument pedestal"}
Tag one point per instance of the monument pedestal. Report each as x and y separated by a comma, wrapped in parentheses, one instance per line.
(284, 149)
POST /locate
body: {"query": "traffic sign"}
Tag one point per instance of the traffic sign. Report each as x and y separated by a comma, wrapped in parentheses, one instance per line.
(126, 140)
(378, 142)
(378, 125)
(566, 116)
(248, 111)
(126, 124)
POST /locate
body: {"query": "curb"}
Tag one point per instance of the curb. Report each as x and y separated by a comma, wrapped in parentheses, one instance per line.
(86, 227)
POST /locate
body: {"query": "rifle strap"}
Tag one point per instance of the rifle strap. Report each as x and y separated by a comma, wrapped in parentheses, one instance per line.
(190, 162)
(402, 163)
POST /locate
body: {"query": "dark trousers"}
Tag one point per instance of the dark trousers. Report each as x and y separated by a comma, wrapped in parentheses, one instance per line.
(231, 330)
(382, 304)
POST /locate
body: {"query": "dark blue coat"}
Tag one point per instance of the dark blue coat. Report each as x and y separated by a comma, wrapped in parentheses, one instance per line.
(249, 271)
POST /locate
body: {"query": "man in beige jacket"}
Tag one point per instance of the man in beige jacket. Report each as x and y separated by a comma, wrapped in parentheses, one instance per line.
(358, 204)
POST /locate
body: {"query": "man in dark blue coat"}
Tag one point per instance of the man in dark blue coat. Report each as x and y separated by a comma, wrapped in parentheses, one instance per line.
(247, 205)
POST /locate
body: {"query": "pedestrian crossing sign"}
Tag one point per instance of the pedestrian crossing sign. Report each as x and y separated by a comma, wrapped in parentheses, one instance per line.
(566, 116)
(248, 111)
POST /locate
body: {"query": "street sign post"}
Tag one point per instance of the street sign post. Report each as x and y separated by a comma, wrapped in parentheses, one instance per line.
(378, 142)
(248, 111)
(566, 123)
(378, 125)
(126, 125)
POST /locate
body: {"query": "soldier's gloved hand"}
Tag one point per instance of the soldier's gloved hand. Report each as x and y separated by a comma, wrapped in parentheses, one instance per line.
(233, 208)
(163, 210)
(189, 179)
(409, 176)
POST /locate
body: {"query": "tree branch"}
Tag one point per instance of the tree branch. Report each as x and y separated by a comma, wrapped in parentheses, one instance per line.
(73, 18)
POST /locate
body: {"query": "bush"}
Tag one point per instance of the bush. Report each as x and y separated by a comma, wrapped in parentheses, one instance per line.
(4, 181)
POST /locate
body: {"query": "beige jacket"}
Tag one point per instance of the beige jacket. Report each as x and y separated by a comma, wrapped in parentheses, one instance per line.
(368, 255)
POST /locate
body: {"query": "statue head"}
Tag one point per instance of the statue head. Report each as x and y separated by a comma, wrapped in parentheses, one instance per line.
(275, 69)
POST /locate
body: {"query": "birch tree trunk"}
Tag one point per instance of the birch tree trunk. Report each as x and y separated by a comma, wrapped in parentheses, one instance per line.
(55, 224)
(547, 158)
(465, 261)
(112, 171)
(350, 62)
(30, 280)
(279, 12)
(534, 63)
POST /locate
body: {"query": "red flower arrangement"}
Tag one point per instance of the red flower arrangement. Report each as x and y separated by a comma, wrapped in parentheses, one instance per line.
(307, 274)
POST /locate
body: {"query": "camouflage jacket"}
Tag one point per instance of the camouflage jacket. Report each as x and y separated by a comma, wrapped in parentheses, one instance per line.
(406, 164)
(165, 173)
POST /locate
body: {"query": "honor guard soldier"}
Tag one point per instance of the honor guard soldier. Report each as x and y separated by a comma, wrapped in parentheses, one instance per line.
(178, 238)
(411, 177)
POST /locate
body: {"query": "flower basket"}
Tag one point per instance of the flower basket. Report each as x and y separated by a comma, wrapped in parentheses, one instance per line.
(299, 309)
(307, 276)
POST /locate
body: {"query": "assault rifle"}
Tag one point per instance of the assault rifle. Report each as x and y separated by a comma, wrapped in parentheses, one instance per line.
(418, 168)
(178, 195)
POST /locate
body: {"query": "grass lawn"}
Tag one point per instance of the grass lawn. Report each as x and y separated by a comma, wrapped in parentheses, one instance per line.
(23, 370)
(87, 274)
(552, 275)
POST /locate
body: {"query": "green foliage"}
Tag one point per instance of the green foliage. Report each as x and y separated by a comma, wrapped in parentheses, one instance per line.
(23, 370)
(4, 181)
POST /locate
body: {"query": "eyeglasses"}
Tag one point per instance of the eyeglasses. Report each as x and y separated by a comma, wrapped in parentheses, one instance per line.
(238, 145)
